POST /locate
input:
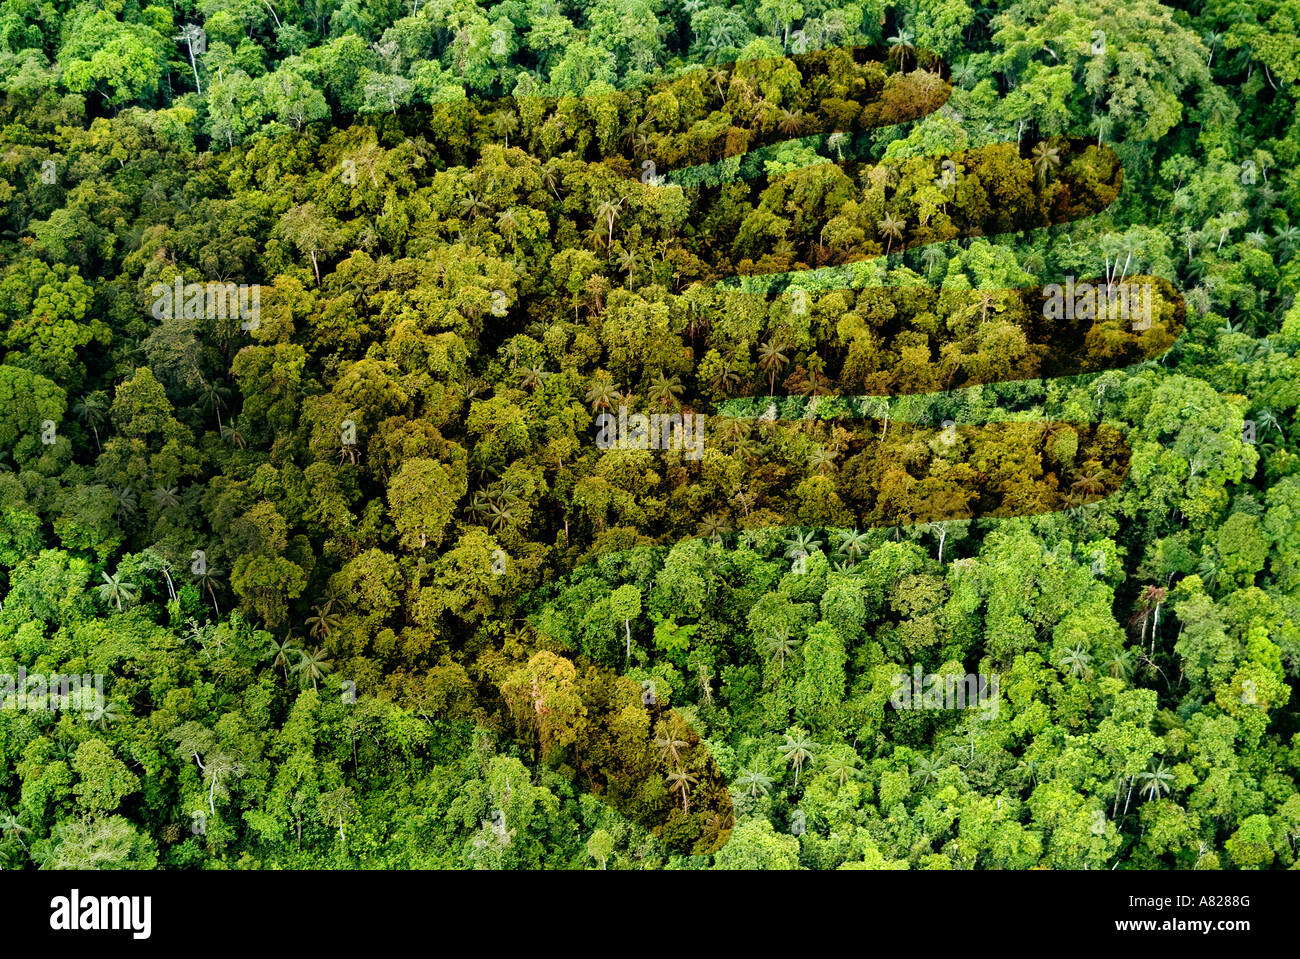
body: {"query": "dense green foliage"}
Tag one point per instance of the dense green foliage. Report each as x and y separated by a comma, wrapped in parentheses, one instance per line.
(530, 621)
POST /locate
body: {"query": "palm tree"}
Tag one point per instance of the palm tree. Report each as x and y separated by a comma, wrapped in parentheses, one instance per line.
(608, 212)
(1211, 40)
(842, 767)
(1266, 420)
(1286, 239)
(1103, 124)
(156, 562)
(91, 411)
(928, 768)
(891, 229)
(1210, 570)
(207, 580)
(779, 643)
(629, 261)
(212, 399)
(853, 543)
(314, 665)
(682, 781)
(280, 652)
(791, 122)
(602, 395)
(718, 42)
(744, 449)
(821, 461)
(10, 826)
(755, 781)
(472, 206)
(478, 506)
(771, 360)
(664, 391)
(802, 544)
(798, 750)
(113, 590)
(507, 222)
(900, 46)
(323, 622)
(1158, 781)
(670, 744)
(504, 123)
(714, 526)
(109, 714)
(551, 177)
(532, 377)
(1046, 157)
(1029, 767)
(233, 435)
(725, 378)
(193, 37)
(500, 515)
(1091, 483)
(1120, 664)
(165, 497)
(126, 500)
(1077, 661)
(717, 75)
